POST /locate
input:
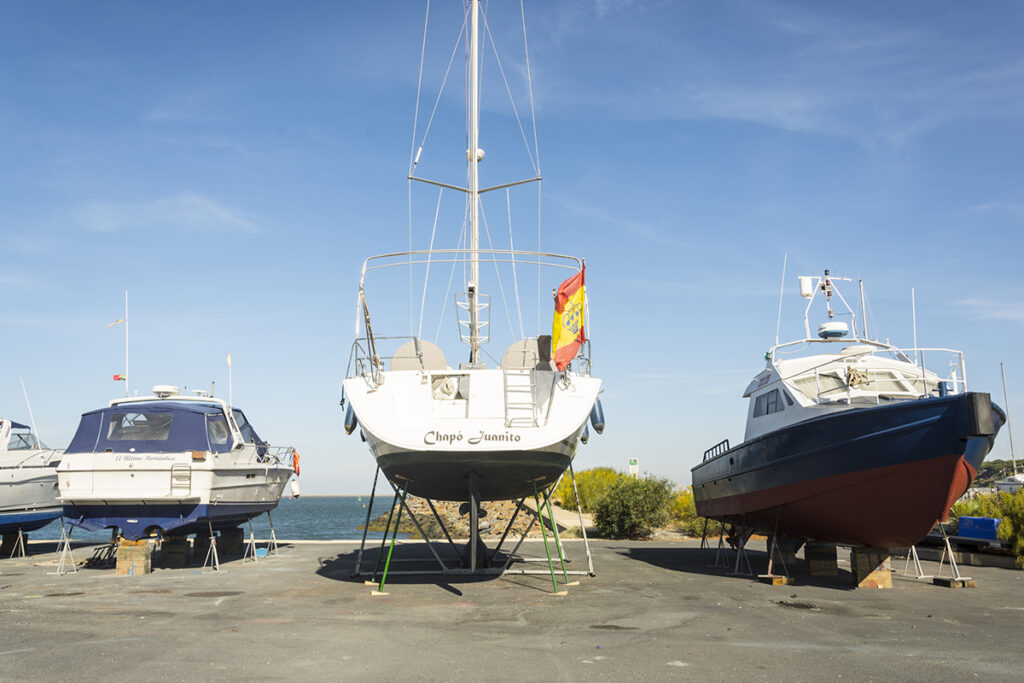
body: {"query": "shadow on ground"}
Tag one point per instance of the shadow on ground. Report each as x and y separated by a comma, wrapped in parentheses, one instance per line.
(702, 561)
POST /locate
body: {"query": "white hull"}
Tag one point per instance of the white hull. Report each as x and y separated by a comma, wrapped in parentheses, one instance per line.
(515, 430)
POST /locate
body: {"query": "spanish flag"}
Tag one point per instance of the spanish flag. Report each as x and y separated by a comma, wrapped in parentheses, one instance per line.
(568, 333)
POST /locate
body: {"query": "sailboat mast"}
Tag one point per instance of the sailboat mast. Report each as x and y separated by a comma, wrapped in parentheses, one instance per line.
(473, 154)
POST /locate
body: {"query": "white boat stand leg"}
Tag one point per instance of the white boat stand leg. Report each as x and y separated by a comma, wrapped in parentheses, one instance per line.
(947, 551)
(918, 569)
(250, 547)
(211, 553)
(272, 543)
(19, 546)
(67, 558)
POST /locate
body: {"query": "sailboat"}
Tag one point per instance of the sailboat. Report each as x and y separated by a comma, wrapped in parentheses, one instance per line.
(469, 430)
(849, 440)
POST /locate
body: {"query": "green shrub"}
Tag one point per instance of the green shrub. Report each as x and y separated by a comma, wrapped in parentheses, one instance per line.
(592, 484)
(683, 512)
(632, 508)
(1011, 529)
(1007, 506)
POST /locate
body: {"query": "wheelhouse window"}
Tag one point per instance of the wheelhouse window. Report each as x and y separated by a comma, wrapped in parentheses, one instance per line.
(248, 435)
(767, 403)
(139, 426)
(217, 430)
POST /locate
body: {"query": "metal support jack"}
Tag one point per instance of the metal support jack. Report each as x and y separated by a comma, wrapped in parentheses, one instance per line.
(394, 535)
(773, 548)
(721, 551)
(547, 551)
(486, 561)
(272, 543)
(743, 536)
(250, 547)
(67, 558)
(211, 553)
(19, 546)
(918, 569)
(955, 577)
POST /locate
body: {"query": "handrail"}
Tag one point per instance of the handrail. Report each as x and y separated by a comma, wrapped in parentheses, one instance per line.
(716, 450)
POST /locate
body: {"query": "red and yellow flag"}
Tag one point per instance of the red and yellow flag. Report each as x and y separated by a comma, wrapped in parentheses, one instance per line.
(120, 378)
(568, 334)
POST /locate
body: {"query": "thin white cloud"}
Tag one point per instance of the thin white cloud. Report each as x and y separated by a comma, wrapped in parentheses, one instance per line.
(184, 211)
(1008, 311)
(599, 215)
(189, 105)
(1003, 212)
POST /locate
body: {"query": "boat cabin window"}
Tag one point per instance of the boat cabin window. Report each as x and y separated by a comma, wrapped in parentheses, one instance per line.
(139, 426)
(767, 403)
(829, 383)
(217, 430)
(23, 442)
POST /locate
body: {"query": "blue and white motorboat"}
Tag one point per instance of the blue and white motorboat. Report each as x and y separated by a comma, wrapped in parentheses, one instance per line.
(28, 480)
(171, 465)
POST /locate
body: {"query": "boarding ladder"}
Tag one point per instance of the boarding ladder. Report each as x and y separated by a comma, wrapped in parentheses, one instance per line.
(181, 480)
(520, 401)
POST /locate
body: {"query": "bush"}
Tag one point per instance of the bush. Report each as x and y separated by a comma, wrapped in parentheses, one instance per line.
(683, 512)
(592, 484)
(1011, 529)
(1007, 506)
(632, 508)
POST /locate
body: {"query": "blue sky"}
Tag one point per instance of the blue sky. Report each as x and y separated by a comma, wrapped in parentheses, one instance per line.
(231, 164)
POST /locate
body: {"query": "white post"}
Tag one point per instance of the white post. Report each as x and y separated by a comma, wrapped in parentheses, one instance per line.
(474, 195)
(126, 343)
(230, 400)
(782, 289)
(913, 309)
(1006, 404)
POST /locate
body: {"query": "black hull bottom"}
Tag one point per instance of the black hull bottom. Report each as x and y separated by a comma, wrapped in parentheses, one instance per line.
(501, 475)
(878, 476)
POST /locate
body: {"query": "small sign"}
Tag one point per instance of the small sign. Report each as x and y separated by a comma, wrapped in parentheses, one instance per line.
(633, 467)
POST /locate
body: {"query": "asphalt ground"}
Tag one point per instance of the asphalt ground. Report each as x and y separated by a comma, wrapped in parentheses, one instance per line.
(653, 611)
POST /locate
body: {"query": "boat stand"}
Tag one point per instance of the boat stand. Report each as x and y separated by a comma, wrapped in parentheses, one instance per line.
(770, 576)
(272, 542)
(474, 558)
(955, 580)
(743, 535)
(250, 547)
(67, 558)
(918, 569)
(721, 560)
(211, 554)
(19, 546)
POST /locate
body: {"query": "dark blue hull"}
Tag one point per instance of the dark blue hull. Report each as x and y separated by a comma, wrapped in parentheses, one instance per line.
(878, 476)
(171, 519)
(27, 520)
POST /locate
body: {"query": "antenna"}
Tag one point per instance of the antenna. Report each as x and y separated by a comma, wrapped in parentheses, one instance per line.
(35, 431)
(230, 402)
(913, 310)
(782, 287)
(125, 344)
(1009, 426)
(863, 311)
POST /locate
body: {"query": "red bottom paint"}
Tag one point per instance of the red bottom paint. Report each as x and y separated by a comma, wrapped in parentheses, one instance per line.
(886, 507)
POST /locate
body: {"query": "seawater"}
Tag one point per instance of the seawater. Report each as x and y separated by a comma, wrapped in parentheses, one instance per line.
(307, 518)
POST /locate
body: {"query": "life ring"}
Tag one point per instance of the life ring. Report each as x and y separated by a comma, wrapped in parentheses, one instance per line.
(295, 462)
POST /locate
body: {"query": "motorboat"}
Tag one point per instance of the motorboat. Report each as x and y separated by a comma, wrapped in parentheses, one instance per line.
(171, 465)
(472, 430)
(849, 440)
(28, 479)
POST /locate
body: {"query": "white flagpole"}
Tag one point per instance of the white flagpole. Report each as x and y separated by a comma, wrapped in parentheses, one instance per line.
(35, 431)
(126, 343)
(230, 401)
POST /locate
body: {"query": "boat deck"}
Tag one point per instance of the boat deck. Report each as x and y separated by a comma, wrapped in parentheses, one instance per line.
(655, 611)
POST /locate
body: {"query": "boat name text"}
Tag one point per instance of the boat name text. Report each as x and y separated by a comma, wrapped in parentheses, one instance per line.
(432, 438)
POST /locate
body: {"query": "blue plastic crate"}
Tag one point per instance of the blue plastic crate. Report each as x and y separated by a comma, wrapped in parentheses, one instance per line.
(979, 527)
